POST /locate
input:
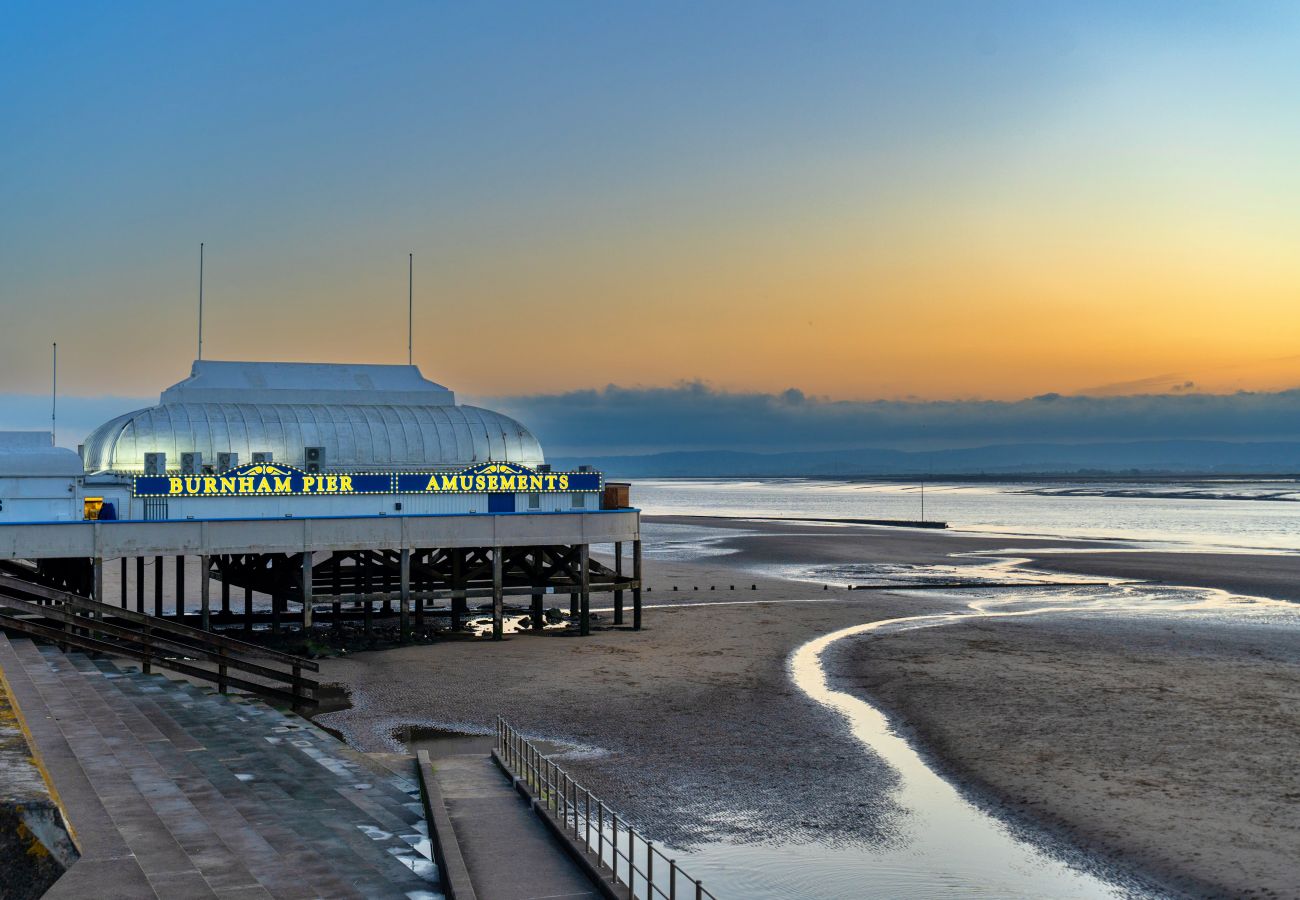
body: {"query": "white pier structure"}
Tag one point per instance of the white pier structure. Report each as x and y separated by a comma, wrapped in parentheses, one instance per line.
(315, 484)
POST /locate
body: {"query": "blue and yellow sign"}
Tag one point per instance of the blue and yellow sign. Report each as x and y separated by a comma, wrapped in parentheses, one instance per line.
(497, 478)
(278, 480)
(261, 480)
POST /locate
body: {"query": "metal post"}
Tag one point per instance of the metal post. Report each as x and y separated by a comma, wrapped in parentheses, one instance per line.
(180, 587)
(498, 607)
(308, 559)
(618, 573)
(636, 591)
(157, 585)
(649, 869)
(405, 566)
(699, 890)
(139, 584)
(123, 585)
(584, 571)
(672, 879)
(631, 862)
(205, 595)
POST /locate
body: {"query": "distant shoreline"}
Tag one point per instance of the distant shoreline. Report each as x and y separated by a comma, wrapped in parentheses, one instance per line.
(1008, 478)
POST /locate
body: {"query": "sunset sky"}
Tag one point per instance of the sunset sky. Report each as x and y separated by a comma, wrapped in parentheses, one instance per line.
(907, 200)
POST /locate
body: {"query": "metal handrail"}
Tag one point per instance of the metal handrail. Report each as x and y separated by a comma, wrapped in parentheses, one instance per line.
(631, 861)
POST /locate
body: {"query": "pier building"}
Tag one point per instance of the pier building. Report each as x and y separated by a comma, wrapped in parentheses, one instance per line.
(333, 490)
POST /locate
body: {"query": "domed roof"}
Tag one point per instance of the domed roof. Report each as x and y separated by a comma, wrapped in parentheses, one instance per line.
(367, 418)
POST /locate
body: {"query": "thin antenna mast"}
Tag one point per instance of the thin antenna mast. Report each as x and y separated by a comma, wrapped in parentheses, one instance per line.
(410, 305)
(54, 395)
(200, 300)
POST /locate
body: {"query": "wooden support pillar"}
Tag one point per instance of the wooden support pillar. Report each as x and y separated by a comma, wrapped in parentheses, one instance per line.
(276, 602)
(386, 580)
(636, 591)
(205, 594)
(307, 561)
(248, 609)
(573, 605)
(584, 568)
(538, 616)
(224, 568)
(180, 587)
(157, 585)
(419, 610)
(139, 584)
(404, 564)
(618, 573)
(123, 582)
(498, 606)
(336, 581)
(457, 583)
(368, 617)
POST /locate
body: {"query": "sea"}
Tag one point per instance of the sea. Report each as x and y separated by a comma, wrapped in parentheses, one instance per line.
(1227, 515)
(947, 846)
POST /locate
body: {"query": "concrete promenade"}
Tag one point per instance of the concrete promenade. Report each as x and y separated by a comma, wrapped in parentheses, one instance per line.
(507, 849)
(172, 792)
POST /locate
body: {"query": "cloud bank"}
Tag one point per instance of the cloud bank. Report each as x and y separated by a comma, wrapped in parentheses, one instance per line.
(693, 416)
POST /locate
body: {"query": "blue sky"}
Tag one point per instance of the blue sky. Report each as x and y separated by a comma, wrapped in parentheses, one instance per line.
(943, 201)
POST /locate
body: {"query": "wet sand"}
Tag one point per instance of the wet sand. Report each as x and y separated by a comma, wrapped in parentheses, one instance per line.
(701, 732)
(1166, 745)
(1168, 757)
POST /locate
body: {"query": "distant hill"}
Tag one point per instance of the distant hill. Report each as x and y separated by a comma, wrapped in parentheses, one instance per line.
(1140, 457)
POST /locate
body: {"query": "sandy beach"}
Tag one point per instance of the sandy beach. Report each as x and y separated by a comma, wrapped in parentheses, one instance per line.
(1154, 752)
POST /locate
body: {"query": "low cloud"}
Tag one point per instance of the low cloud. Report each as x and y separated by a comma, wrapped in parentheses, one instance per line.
(693, 416)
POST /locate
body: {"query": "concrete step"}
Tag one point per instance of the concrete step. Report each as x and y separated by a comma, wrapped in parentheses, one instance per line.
(201, 795)
(278, 765)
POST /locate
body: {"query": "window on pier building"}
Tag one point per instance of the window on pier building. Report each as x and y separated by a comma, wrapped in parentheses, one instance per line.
(579, 501)
(534, 501)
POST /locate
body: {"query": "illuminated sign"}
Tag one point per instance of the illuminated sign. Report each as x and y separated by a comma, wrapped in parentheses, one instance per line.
(497, 478)
(278, 480)
(261, 480)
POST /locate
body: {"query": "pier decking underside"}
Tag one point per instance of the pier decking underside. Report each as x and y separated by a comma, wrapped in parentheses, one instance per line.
(443, 586)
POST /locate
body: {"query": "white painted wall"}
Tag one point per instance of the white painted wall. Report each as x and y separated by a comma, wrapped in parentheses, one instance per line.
(39, 499)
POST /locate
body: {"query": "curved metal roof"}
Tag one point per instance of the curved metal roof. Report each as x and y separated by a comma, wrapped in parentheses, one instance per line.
(360, 426)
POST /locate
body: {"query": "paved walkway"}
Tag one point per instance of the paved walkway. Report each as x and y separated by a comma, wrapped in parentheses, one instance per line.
(509, 853)
(172, 792)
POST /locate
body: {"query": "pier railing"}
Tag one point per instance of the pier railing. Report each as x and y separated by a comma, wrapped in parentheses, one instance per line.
(627, 859)
(70, 620)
